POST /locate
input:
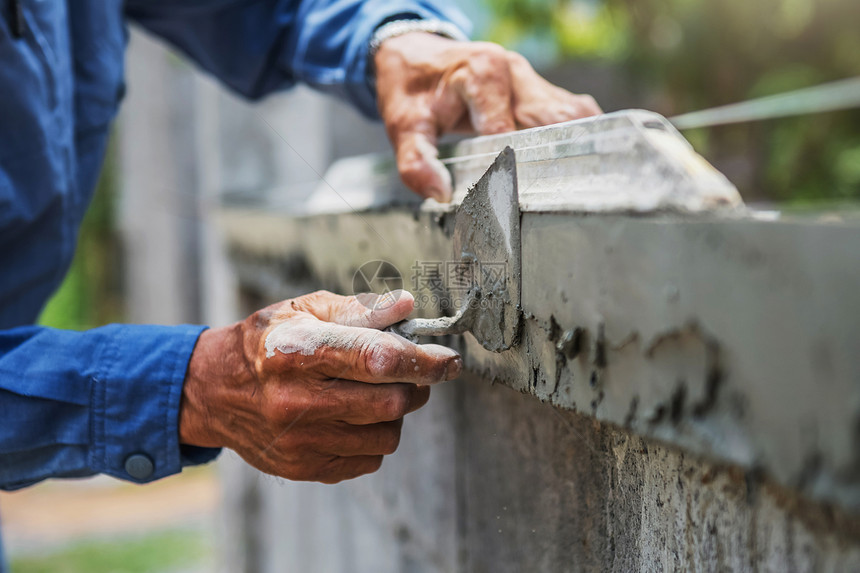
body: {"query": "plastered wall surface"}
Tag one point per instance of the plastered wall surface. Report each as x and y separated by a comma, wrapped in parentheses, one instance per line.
(684, 393)
(489, 480)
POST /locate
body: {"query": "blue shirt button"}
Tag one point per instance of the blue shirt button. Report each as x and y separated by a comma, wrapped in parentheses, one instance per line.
(139, 466)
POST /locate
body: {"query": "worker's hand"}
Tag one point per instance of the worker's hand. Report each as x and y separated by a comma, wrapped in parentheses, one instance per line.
(428, 85)
(309, 388)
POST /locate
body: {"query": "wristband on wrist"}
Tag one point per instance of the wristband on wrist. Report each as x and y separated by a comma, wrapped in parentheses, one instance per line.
(401, 27)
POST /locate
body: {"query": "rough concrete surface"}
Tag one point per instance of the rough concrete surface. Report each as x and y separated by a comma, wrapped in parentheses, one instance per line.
(489, 480)
(588, 496)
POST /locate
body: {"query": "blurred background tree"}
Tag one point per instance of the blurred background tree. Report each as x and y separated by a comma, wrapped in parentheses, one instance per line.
(685, 55)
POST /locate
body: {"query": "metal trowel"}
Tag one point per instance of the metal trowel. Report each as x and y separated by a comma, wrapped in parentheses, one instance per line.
(487, 258)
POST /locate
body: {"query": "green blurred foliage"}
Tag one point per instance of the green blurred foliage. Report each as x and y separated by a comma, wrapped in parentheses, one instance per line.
(152, 553)
(90, 295)
(695, 54)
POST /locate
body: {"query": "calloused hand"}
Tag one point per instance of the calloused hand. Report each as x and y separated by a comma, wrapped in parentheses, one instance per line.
(310, 388)
(428, 85)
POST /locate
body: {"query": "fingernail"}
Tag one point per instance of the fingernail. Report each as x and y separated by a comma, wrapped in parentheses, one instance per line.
(403, 293)
(451, 358)
(454, 368)
(440, 352)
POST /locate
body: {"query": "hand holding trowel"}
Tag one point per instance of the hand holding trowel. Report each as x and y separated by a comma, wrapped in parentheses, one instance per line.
(487, 242)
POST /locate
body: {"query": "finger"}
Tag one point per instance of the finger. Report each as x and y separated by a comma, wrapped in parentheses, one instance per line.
(563, 106)
(449, 109)
(484, 82)
(585, 105)
(567, 106)
(368, 310)
(343, 468)
(358, 403)
(361, 354)
(383, 357)
(365, 440)
(418, 159)
(539, 102)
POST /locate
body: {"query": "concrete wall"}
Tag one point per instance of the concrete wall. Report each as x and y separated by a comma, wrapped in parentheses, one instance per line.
(708, 435)
(490, 479)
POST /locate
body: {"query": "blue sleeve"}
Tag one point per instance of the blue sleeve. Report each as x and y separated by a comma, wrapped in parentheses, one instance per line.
(259, 46)
(74, 404)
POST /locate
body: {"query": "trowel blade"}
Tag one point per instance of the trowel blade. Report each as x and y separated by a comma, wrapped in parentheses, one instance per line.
(487, 256)
(487, 237)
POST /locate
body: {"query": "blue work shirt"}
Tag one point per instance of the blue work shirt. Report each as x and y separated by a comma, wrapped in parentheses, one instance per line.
(81, 403)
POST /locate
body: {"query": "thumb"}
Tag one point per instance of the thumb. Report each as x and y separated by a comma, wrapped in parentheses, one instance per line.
(366, 310)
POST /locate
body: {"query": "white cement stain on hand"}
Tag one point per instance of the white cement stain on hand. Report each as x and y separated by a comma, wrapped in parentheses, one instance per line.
(306, 336)
(435, 351)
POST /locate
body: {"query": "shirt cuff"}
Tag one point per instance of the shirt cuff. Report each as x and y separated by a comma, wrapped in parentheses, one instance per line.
(135, 400)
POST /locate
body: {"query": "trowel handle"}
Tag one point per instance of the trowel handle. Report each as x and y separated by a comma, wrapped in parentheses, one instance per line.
(412, 329)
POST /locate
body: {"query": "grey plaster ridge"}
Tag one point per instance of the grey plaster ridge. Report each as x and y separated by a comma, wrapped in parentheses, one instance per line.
(628, 161)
